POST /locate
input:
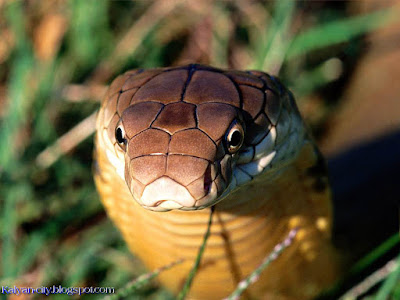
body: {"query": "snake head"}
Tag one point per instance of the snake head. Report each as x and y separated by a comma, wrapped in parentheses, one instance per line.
(185, 137)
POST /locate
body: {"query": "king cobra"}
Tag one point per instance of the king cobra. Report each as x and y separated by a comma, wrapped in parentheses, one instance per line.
(173, 142)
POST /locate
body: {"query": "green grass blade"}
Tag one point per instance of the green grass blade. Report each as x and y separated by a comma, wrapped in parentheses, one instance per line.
(18, 90)
(390, 282)
(370, 281)
(375, 254)
(88, 37)
(196, 265)
(9, 226)
(140, 282)
(309, 81)
(30, 250)
(366, 261)
(273, 50)
(336, 32)
(9, 223)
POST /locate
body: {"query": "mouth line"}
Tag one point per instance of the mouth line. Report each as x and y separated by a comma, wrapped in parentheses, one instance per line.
(165, 204)
(159, 202)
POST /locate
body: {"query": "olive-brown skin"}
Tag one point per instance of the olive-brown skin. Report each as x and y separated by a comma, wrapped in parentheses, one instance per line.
(248, 223)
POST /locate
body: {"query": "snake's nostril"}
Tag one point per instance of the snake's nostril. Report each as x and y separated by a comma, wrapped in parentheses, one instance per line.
(207, 179)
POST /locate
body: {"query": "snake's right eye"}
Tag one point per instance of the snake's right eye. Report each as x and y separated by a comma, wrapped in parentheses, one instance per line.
(120, 136)
(235, 137)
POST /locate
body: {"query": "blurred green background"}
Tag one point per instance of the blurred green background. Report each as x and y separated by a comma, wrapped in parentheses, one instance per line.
(56, 59)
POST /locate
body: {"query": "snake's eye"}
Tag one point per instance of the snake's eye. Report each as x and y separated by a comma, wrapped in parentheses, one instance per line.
(120, 136)
(235, 137)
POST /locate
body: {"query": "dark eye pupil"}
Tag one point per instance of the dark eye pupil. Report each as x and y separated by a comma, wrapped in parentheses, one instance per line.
(119, 136)
(236, 139)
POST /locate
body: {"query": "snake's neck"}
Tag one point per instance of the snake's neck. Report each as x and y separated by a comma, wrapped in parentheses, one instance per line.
(246, 226)
(296, 189)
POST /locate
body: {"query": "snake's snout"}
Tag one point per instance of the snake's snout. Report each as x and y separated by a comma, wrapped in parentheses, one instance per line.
(176, 181)
(166, 193)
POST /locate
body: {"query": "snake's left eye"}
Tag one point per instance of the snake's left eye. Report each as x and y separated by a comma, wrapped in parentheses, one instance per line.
(235, 137)
(120, 136)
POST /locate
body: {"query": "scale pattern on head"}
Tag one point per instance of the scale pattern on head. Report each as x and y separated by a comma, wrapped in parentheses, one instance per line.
(184, 137)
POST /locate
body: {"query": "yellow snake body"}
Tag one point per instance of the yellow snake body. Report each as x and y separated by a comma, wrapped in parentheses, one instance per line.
(282, 190)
